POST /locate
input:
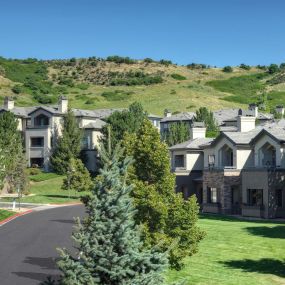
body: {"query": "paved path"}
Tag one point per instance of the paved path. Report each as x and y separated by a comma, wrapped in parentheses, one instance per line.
(28, 244)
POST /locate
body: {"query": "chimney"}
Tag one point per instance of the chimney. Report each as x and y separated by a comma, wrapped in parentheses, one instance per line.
(280, 109)
(8, 103)
(245, 124)
(63, 104)
(197, 130)
(167, 113)
(254, 109)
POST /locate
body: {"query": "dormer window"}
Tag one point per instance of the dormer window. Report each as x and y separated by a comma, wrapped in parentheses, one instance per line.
(41, 120)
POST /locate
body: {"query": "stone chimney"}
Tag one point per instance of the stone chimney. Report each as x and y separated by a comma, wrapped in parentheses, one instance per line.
(197, 130)
(245, 124)
(254, 109)
(279, 109)
(63, 104)
(9, 103)
(167, 113)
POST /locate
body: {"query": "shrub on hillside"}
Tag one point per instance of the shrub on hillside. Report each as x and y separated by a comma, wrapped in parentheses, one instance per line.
(116, 95)
(244, 66)
(120, 59)
(17, 89)
(273, 68)
(165, 62)
(177, 76)
(227, 69)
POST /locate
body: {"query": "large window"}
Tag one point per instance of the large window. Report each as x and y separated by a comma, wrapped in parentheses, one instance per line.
(37, 142)
(179, 160)
(86, 140)
(255, 197)
(212, 195)
(279, 198)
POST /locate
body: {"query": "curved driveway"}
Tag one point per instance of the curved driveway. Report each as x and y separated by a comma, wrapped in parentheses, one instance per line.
(28, 245)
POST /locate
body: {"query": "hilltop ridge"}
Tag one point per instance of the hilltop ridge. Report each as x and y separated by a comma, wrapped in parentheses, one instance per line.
(115, 82)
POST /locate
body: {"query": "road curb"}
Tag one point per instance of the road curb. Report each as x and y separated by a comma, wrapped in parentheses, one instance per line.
(7, 220)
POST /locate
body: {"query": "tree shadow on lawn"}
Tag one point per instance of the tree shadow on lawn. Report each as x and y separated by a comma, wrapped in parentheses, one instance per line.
(62, 196)
(270, 232)
(264, 266)
(226, 218)
(45, 263)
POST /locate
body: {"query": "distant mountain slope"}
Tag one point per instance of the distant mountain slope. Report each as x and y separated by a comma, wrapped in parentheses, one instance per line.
(115, 82)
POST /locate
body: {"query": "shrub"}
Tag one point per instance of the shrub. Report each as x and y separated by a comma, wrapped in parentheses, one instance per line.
(165, 62)
(227, 69)
(82, 86)
(148, 60)
(178, 76)
(120, 59)
(273, 68)
(244, 66)
(17, 89)
(116, 95)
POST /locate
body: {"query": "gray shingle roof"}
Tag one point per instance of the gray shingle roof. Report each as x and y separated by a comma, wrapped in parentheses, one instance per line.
(184, 116)
(98, 124)
(225, 115)
(192, 144)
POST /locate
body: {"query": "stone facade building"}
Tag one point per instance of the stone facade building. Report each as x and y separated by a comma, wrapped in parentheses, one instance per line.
(240, 173)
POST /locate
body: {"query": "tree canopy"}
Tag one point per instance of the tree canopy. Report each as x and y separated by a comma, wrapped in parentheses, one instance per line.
(68, 145)
(167, 219)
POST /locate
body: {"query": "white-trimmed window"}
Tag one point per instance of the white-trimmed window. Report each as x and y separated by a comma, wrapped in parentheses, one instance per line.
(212, 195)
(179, 161)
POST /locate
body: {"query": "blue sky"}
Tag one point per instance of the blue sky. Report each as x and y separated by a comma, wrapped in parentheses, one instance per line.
(216, 32)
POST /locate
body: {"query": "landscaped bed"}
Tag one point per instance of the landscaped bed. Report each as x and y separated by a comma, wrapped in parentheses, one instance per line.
(237, 252)
(4, 214)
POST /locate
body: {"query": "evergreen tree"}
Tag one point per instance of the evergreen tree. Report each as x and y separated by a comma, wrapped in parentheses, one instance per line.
(167, 219)
(109, 248)
(68, 145)
(206, 116)
(13, 158)
(126, 121)
(178, 133)
(78, 177)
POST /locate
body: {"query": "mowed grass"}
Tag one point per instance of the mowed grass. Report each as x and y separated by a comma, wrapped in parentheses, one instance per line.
(48, 191)
(5, 214)
(236, 252)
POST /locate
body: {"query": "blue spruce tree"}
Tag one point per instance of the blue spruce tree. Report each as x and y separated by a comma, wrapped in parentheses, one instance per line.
(110, 250)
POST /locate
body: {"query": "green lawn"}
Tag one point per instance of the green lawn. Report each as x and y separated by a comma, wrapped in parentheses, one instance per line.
(48, 191)
(237, 252)
(5, 214)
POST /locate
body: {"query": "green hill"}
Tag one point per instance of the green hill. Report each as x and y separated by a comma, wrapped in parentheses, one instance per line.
(116, 82)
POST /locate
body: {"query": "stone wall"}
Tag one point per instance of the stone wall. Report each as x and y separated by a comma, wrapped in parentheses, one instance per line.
(223, 180)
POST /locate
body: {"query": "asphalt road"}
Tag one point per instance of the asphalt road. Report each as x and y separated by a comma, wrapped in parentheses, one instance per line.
(28, 245)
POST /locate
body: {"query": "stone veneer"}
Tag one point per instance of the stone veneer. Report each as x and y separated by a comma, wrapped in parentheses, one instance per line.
(223, 180)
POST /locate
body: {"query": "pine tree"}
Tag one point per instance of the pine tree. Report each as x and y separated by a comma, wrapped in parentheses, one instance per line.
(13, 158)
(68, 144)
(78, 177)
(110, 251)
(167, 218)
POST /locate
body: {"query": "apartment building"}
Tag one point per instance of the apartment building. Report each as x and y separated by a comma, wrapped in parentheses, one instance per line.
(241, 172)
(41, 126)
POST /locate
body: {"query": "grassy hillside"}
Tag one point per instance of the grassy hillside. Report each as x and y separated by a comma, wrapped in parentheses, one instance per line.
(116, 82)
